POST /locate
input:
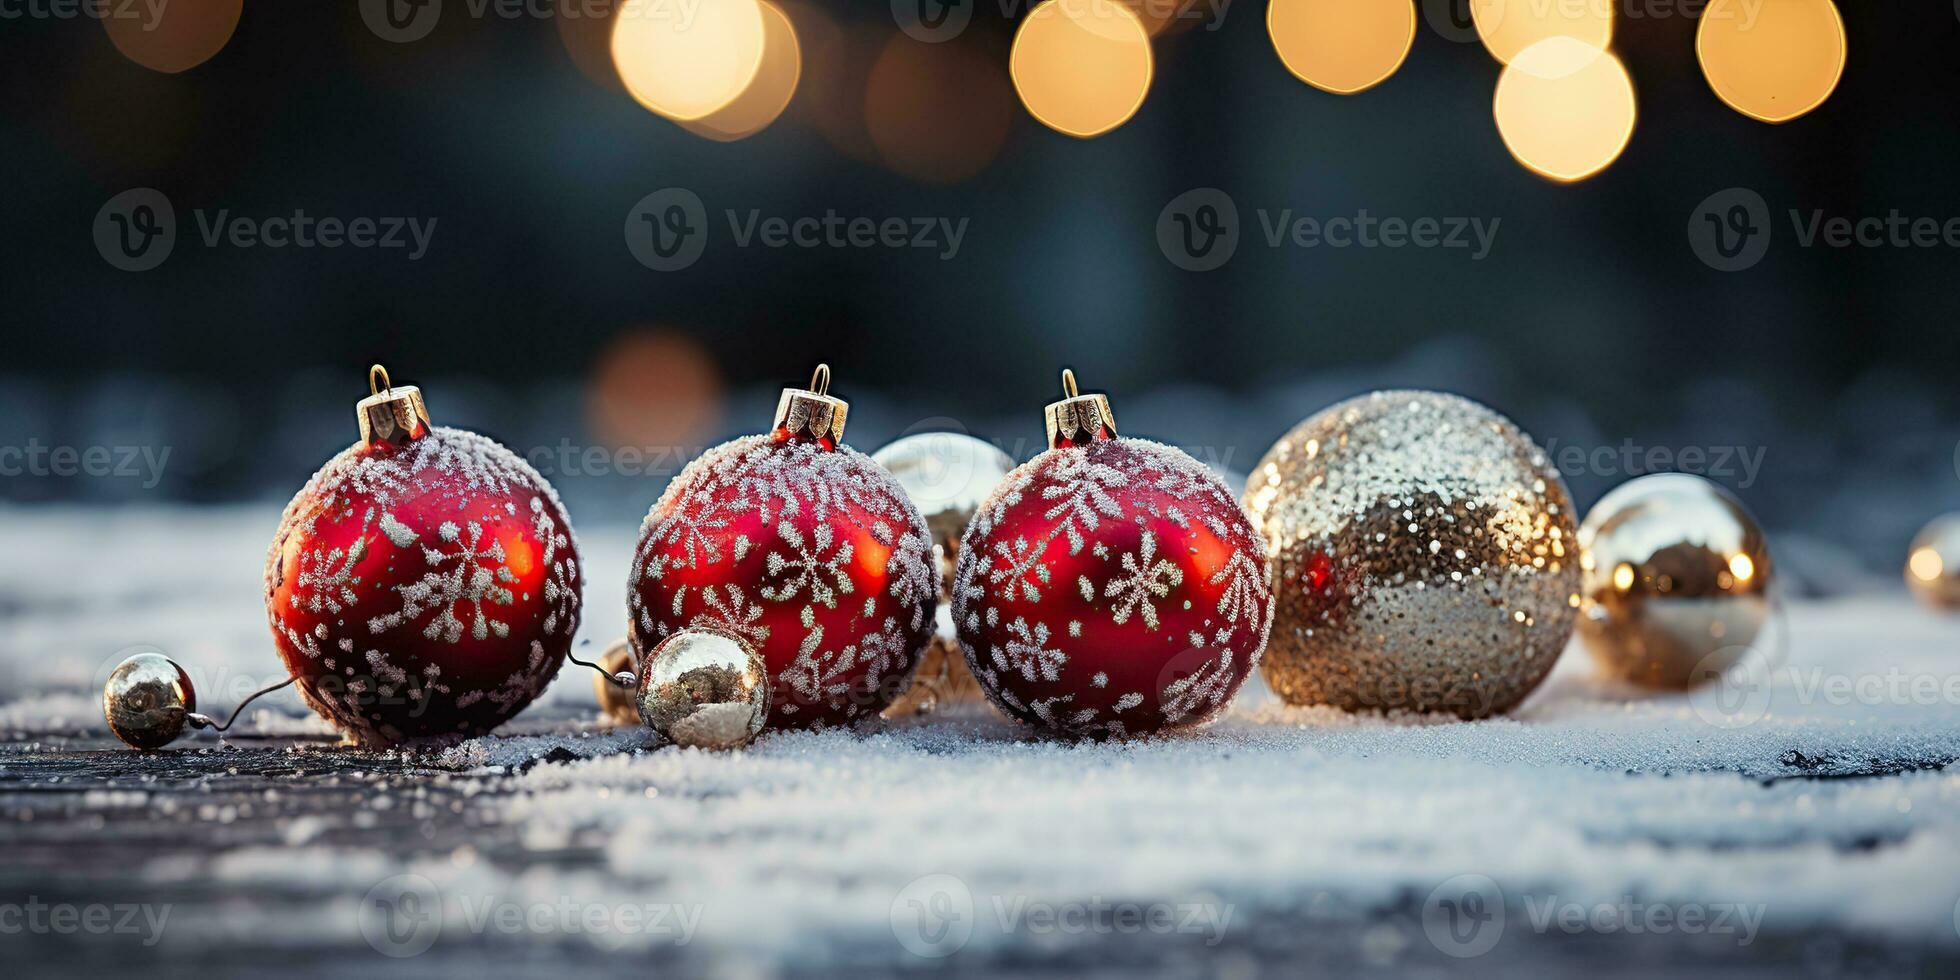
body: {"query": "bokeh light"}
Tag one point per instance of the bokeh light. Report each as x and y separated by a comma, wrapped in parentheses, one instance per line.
(1510, 26)
(937, 112)
(1772, 61)
(1341, 46)
(654, 388)
(685, 62)
(174, 36)
(1081, 67)
(768, 94)
(1565, 108)
(837, 68)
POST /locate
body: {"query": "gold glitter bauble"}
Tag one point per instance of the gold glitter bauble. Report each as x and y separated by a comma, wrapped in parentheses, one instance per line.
(616, 701)
(1933, 564)
(948, 475)
(1422, 552)
(1676, 581)
(148, 700)
(704, 689)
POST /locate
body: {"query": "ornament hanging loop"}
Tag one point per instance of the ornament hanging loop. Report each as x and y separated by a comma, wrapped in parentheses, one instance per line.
(820, 379)
(197, 720)
(625, 678)
(378, 381)
(1078, 419)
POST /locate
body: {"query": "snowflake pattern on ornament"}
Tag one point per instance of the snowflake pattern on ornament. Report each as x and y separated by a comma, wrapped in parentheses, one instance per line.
(1112, 589)
(814, 556)
(444, 607)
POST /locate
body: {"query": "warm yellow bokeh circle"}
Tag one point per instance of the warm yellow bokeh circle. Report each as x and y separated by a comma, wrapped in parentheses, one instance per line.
(688, 61)
(1341, 46)
(1772, 60)
(1565, 108)
(1081, 66)
(768, 95)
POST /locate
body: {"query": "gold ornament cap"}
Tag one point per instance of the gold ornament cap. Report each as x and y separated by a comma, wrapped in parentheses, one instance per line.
(1078, 419)
(810, 413)
(390, 414)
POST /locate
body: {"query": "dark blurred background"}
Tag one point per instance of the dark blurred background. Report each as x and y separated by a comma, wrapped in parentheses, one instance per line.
(1591, 322)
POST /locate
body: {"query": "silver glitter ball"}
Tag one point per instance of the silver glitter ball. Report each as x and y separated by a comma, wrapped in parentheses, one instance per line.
(1933, 563)
(1677, 581)
(1423, 557)
(947, 475)
(704, 689)
(148, 699)
(616, 701)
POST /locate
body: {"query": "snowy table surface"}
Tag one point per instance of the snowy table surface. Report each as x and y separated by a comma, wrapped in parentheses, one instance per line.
(1811, 825)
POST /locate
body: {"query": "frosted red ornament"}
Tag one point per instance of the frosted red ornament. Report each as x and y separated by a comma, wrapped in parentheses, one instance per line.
(801, 546)
(425, 582)
(1110, 586)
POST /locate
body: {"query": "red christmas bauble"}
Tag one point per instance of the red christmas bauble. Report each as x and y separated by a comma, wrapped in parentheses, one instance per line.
(425, 582)
(1111, 586)
(803, 547)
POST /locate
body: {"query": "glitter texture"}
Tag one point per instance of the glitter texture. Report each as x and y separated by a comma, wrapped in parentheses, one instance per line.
(1421, 557)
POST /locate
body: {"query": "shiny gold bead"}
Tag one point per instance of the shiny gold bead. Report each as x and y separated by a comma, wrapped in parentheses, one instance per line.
(1677, 578)
(704, 689)
(148, 700)
(617, 702)
(1933, 563)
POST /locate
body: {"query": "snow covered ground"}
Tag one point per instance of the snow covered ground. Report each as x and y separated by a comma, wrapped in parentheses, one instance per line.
(1809, 823)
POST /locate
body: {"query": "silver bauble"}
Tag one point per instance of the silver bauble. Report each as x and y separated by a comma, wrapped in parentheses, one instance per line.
(1676, 581)
(1933, 564)
(947, 475)
(704, 689)
(148, 700)
(1422, 557)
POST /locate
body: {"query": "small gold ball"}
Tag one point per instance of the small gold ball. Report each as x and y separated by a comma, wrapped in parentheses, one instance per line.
(617, 702)
(1933, 563)
(148, 700)
(1676, 584)
(704, 689)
